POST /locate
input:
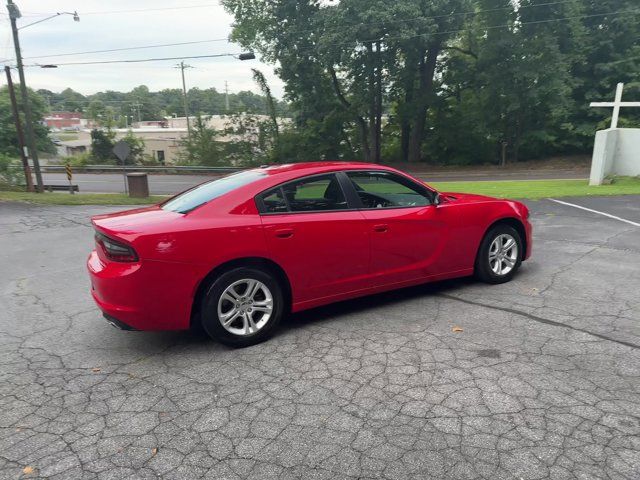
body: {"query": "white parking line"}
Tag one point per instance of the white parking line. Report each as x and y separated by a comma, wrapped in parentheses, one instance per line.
(595, 211)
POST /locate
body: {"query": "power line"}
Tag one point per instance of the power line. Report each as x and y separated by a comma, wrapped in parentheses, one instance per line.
(491, 27)
(135, 10)
(141, 60)
(519, 24)
(419, 18)
(141, 47)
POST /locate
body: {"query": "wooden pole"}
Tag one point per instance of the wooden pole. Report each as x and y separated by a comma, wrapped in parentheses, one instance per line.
(16, 119)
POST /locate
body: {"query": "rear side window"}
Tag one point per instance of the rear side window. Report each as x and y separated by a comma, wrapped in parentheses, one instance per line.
(314, 194)
(192, 199)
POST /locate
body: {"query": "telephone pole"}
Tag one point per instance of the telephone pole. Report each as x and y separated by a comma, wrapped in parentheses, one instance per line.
(16, 118)
(135, 108)
(226, 96)
(182, 66)
(14, 14)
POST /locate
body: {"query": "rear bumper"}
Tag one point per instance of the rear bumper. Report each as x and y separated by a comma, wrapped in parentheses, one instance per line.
(145, 295)
(117, 323)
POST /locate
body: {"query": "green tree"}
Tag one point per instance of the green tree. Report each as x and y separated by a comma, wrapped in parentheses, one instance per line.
(102, 145)
(202, 146)
(8, 134)
(259, 78)
(96, 111)
(136, 144)
(71, 101)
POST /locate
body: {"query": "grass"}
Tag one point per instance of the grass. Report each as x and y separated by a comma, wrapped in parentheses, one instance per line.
(65, 137)
(536, 189)
(527, 189)
(63, 198)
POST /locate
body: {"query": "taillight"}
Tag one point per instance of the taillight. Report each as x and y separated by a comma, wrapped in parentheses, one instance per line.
(114, 250)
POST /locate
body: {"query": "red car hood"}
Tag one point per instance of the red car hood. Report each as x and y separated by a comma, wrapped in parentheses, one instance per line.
(131, 223)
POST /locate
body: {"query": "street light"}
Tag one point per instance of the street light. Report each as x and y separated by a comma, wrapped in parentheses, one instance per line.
(75, 16)
(14, 15)
(182, 66)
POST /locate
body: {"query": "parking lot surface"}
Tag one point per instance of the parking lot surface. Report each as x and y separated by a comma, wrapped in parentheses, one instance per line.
(540, 379)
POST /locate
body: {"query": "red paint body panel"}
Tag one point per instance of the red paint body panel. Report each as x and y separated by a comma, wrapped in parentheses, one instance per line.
(326, 256)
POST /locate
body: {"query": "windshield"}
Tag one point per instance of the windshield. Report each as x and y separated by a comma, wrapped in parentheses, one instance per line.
(192, 199)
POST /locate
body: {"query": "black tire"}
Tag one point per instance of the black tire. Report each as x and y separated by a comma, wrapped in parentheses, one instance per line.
(483, 270)
(210, 320)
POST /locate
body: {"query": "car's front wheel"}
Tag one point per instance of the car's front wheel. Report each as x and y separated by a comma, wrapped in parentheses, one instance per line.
(500, 255)
(242, 307)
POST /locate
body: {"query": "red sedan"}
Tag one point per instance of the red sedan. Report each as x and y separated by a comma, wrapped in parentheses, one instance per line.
(236, 254)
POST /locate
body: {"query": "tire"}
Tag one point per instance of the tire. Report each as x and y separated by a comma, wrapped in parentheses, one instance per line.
(240, 331)
(497, 260)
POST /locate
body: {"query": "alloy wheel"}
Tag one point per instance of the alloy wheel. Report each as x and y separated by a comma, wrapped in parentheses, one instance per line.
(245, 307)
(503, 254)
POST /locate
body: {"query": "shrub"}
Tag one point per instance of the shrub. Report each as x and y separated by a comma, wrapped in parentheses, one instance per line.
(11, 174)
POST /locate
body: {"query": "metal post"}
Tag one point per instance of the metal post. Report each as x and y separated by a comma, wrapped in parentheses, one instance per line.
(67, 168)
(16, 119)
(31, 138)
(124, 176)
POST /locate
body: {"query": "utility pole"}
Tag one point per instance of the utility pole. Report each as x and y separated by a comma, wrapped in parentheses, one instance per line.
(16, 118)
(14, 14)
(135, 108)
(226, 96)
(185, 100)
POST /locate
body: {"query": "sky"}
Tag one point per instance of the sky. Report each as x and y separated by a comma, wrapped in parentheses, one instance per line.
(121, 24)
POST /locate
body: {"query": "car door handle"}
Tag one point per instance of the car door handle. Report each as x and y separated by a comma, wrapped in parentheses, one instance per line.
(284, 233)
(380, 228)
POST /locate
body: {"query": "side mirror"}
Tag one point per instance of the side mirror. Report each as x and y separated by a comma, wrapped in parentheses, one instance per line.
(437, 200)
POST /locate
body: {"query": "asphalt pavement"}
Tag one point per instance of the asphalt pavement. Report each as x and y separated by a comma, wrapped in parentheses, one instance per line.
(160, 184)
(542, 381)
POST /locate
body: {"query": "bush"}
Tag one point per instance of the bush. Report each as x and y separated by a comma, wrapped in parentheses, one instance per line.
(11, 174)
(149, 160)
(80, 160)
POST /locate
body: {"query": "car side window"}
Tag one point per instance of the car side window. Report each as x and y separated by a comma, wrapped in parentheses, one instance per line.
(386, 190)
(314, 194)
(274, 201)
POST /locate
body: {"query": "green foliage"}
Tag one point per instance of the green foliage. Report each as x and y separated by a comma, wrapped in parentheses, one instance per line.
(11, 174)
(80, 160)
(202, 146)
(8, 134)
(457, 88)
(251, 141)
(102, 142)
(136, 144)
(111, 109)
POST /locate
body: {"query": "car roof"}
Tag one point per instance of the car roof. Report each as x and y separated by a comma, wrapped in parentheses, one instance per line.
(273, 175)
(309, 168)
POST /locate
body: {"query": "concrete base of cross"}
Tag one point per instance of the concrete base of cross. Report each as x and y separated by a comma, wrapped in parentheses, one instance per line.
(616, 152)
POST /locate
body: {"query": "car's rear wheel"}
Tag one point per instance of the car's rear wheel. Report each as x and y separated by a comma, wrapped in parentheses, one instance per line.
(242, 307)
(500, 255)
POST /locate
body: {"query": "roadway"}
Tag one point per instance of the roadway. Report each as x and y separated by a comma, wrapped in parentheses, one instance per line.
(160, 184)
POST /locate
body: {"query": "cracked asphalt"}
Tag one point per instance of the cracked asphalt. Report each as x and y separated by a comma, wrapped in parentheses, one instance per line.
(543, 381)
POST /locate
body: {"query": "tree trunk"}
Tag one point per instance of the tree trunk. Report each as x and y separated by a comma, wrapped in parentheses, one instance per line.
(378, 120)
(427, 68)
(361, 122)
(372, 102)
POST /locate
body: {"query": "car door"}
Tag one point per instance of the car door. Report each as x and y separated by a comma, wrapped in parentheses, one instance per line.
(319, 239)
(409, 233)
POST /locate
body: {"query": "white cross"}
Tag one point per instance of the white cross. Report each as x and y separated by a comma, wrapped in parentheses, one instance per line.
(616, 104)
